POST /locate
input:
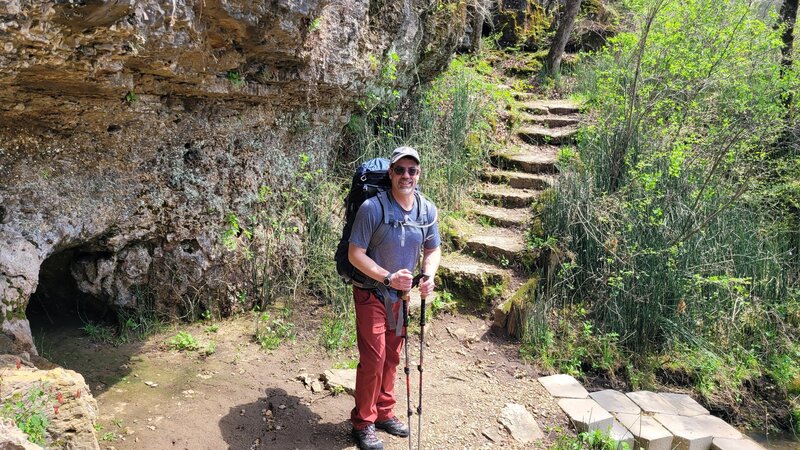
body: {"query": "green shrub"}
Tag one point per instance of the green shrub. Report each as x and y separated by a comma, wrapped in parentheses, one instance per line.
(183, 341)
(660, 231)
(338, 332)
(271, 333)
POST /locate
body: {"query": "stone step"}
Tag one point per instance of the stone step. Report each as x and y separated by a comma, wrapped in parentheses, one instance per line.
(534, 159)
(687, 432)
(503, 217)
(647, 432)
(563, 386)
(537, 134)
(475, 282)
(558, 107)
(502, 245)
(654, 421)
(519, 180)
(615, 402)
(507, 196)
(735, 444)
(551, 120)
(524, 96)
(586, 414)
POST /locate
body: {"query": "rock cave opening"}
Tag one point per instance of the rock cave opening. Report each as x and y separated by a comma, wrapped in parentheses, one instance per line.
(58, 309)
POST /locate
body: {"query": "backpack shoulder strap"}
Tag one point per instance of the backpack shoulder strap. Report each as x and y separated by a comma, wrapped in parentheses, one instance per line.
(387, 222)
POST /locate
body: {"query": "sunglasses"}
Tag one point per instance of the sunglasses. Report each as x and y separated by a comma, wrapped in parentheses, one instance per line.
(401, 170)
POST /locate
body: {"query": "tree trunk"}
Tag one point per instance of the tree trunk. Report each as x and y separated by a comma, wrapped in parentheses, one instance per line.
(788, 18)
(553, 63)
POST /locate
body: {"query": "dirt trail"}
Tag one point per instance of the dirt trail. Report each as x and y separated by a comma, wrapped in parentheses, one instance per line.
(242, 397)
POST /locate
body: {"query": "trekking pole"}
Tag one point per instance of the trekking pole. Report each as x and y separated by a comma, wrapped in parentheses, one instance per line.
(405, 368)
(419, 367)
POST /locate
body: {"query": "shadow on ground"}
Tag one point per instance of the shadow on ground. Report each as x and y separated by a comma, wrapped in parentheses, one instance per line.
(281, 421)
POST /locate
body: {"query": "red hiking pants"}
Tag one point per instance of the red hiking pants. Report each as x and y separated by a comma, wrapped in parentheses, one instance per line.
(379, 354)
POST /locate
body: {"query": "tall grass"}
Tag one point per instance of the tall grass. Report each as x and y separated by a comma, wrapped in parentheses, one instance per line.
(451, 122)
(661, 232)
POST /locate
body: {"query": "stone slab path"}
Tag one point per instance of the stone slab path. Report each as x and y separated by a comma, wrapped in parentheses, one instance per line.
(644, 419)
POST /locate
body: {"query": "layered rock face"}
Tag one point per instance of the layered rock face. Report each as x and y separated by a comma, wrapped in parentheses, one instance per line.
(131, 129)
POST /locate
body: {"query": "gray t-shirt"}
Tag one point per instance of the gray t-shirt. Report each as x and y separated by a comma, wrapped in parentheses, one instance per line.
(400, 248)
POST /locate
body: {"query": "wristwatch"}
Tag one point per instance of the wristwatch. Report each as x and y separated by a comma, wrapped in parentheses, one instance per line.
(387, 280)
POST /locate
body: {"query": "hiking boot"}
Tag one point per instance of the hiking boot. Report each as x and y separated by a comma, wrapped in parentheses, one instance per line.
(393, 426)
(366, 438)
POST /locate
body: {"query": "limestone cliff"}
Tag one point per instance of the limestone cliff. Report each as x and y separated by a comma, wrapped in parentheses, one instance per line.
(129, 129)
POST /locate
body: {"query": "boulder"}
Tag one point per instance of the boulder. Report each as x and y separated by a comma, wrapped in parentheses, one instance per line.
(59, 395)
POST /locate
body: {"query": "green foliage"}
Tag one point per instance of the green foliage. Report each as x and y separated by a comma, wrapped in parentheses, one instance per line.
(658, 219)
(441, 302)
(348, 364)
(589, 440)
(183, 341)
(99, 333)
(236, 78)
(315, 25)
(271, 333)
(570, 344)
(30, 411)
(451, 123)
(109, 437)
(338, 332)
(131, 97)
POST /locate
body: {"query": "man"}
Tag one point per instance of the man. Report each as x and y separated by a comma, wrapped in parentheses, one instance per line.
(390, 262)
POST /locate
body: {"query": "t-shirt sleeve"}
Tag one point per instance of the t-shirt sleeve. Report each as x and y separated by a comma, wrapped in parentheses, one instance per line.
(365, 223)
(433, 238)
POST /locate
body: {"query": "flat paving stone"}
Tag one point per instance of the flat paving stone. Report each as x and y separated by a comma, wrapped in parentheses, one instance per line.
(615, 402)
(688, 433)
(563, 386)
(651, 402)
(735, 444)
(621, 435)
(717, 427)
(684, 404)
(586, 414)
(647, 432)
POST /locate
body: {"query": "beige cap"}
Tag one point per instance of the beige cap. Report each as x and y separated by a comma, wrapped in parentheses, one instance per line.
(403, 152)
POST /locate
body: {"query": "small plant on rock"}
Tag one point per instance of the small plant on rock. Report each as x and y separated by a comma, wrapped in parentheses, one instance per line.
(29, 411)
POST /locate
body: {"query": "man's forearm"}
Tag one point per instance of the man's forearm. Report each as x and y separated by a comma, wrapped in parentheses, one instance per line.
(430, 260)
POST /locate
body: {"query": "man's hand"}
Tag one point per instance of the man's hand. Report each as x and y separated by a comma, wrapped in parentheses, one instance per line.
(401, 280)
(426, 286)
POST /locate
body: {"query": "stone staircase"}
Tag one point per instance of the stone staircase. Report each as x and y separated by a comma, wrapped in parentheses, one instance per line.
(644, 419)
(493, 265)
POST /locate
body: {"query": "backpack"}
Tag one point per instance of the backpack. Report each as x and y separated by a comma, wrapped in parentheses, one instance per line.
(372, 179)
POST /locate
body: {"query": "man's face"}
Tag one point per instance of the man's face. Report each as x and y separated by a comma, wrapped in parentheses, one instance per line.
(403, 182)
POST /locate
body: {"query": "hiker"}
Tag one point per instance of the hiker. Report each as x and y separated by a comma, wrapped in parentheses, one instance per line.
(390, 262)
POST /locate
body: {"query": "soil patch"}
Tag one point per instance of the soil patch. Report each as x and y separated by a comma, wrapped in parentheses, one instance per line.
(242, 397)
